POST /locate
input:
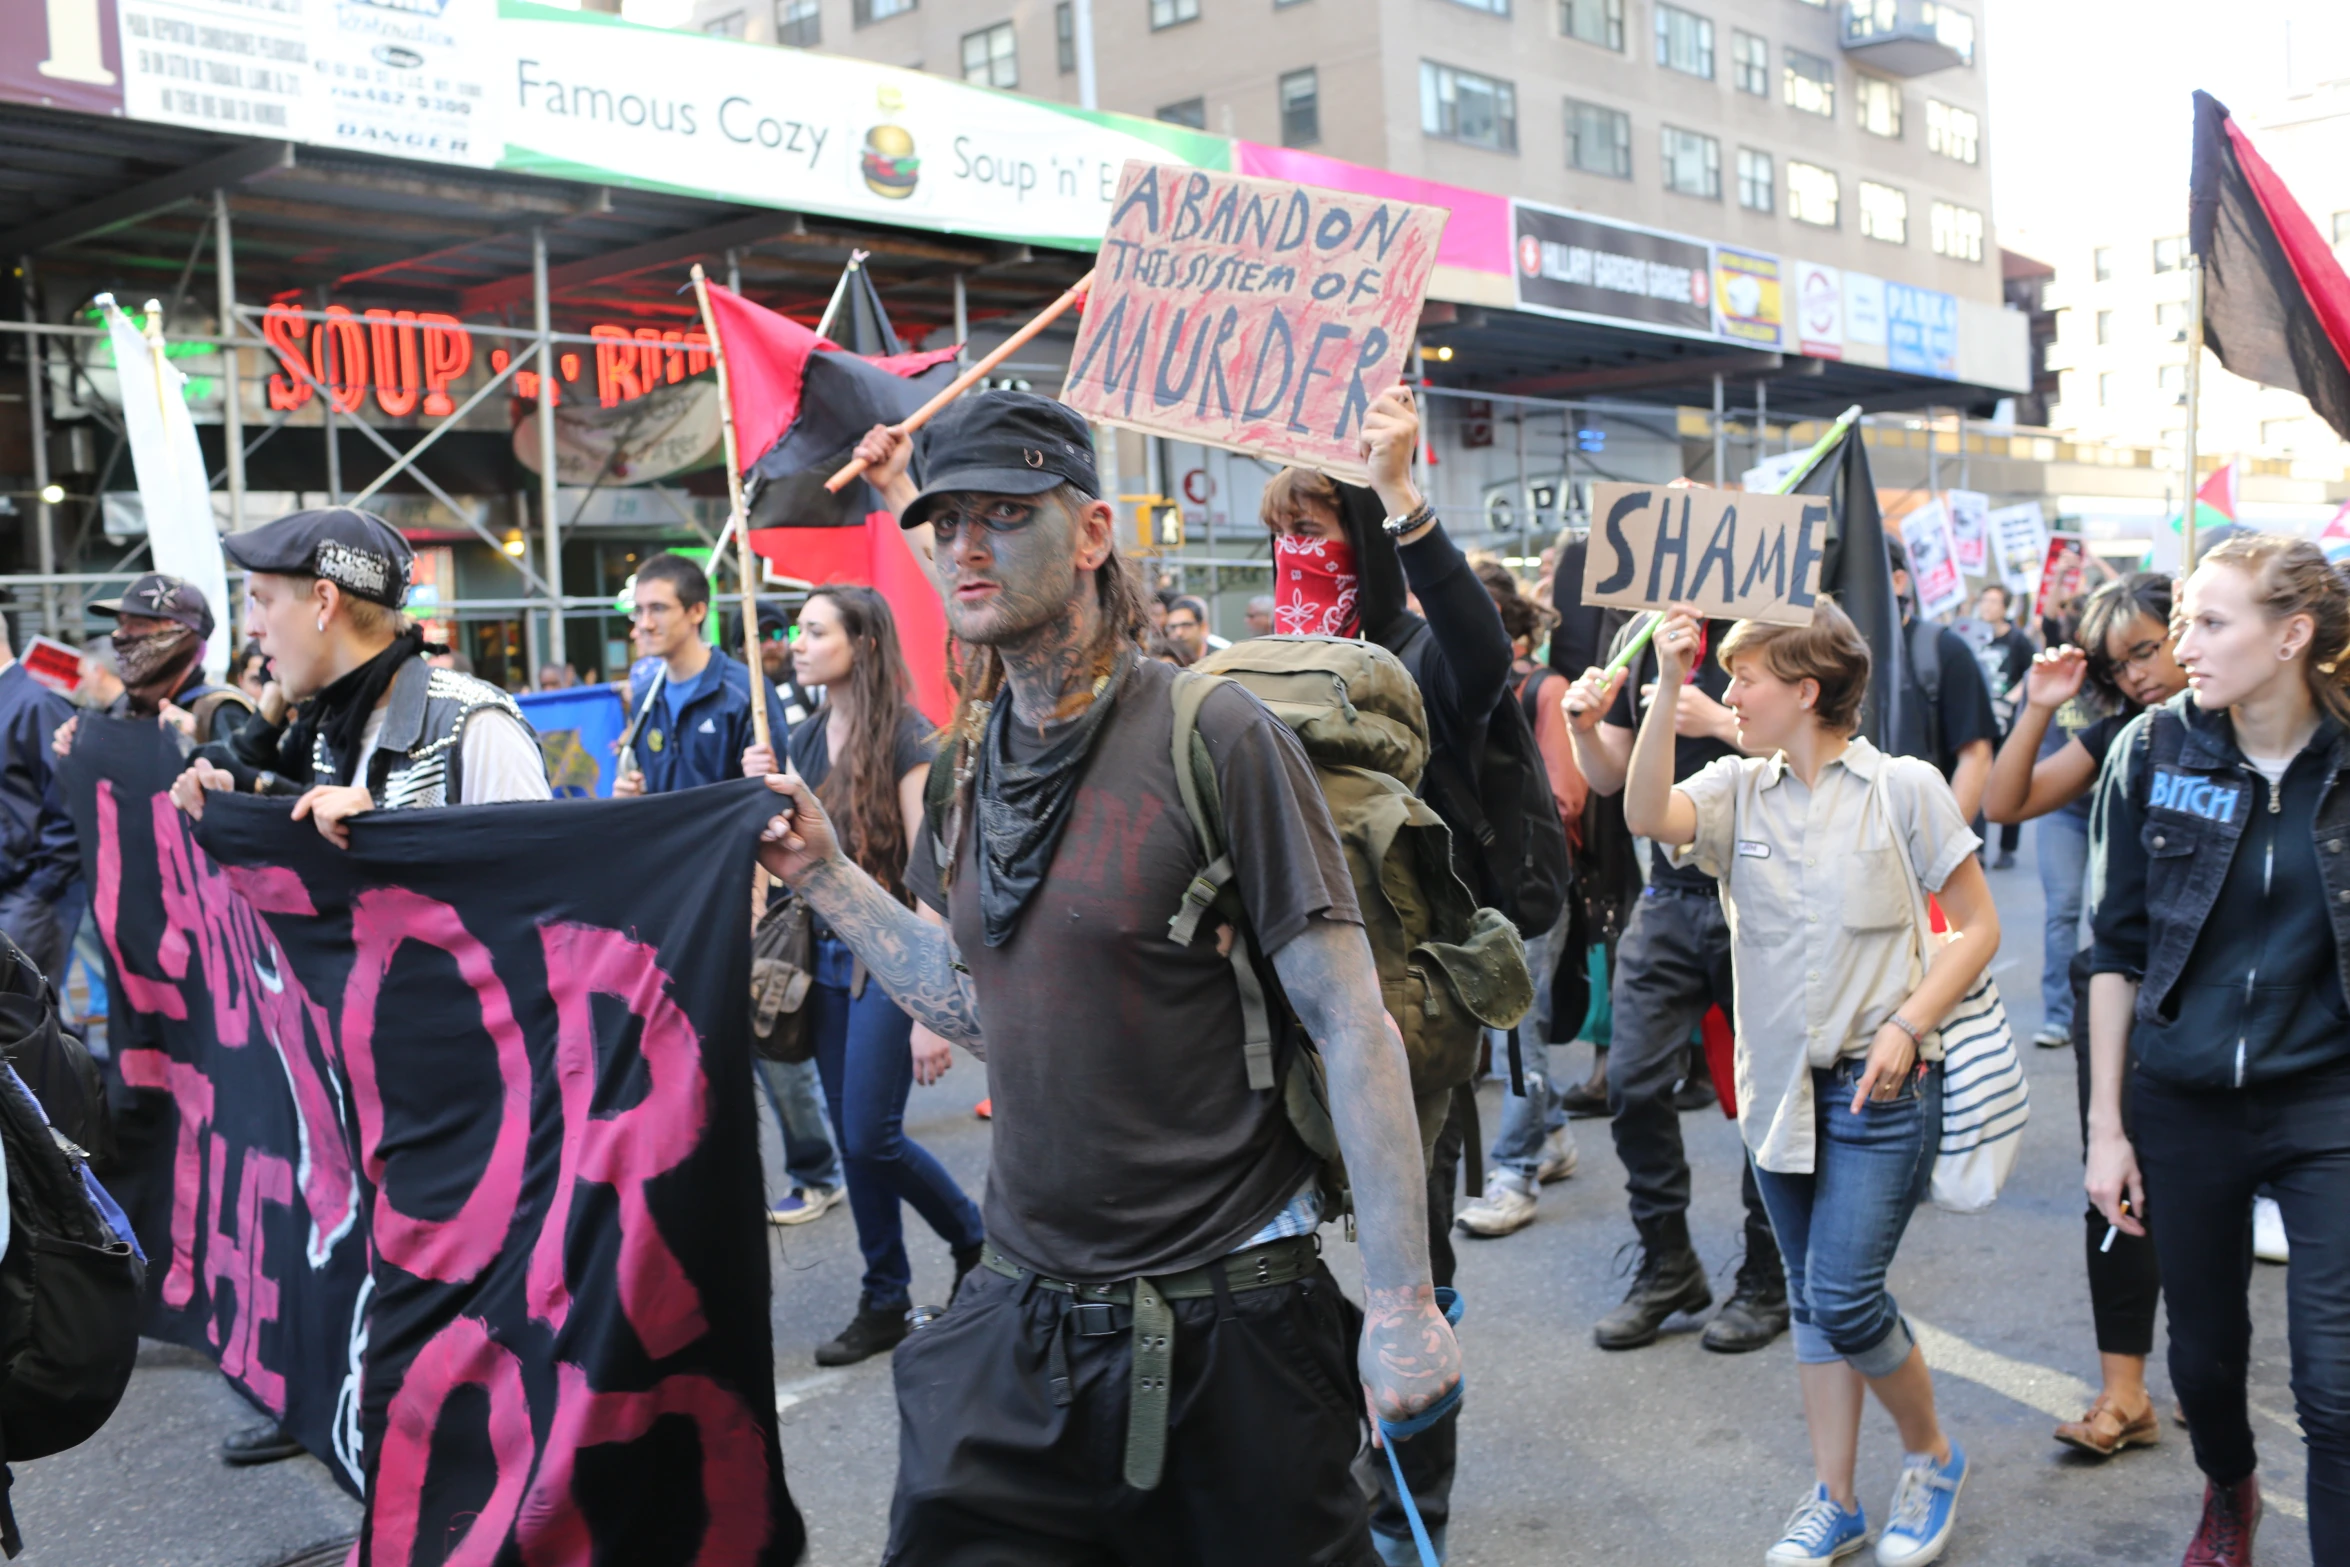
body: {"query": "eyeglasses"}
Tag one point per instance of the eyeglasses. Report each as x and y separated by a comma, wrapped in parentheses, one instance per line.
(2143, 653)
(654, 611)
(998, 516)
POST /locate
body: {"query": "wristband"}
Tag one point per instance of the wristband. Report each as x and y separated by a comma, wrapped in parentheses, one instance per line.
(1419, 515)
(1916, 1037)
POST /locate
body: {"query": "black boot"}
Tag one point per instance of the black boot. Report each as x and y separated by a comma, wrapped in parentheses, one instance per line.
(870, 1332)
(1588, 1099)
(262, 1444)
(1670, 1279)
(1756, 1312)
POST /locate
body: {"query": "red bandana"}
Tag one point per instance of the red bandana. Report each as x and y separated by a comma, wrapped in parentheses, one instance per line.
(1313, 587)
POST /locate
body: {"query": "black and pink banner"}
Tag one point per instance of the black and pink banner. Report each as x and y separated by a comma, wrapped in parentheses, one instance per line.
(445, 1146)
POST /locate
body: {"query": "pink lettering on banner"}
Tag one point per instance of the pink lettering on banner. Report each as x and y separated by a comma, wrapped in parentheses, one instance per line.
(453, 1250)
(236, 1260)
(171, 954)
(624, 1151)
(734, 1467)
(191, 1095)
(198, 903)
(460, 1355)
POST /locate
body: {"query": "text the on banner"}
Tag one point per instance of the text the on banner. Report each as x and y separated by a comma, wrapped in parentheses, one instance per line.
(2019, 545)
(1258, 315)
(1736, 556)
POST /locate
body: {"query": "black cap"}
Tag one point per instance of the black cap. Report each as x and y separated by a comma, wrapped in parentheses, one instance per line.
(1002, 443)
(355, 550)
(159, 597)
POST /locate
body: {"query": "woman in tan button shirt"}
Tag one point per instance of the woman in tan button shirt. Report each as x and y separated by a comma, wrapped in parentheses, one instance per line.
(1839, 1092)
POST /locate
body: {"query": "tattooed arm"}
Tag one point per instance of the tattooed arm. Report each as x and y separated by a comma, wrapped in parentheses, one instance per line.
(913, 960)
(1408, 1357)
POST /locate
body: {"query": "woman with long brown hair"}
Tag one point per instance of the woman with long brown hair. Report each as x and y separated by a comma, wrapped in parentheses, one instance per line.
(866, 752)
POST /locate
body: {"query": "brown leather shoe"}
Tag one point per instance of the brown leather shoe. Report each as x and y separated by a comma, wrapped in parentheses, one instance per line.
(2104, 1430)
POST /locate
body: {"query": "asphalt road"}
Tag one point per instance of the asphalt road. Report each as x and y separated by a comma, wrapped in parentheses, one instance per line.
(1661, 1457)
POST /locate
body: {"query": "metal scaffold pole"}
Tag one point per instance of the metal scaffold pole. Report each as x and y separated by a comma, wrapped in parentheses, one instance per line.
(44, 514)
(551, 526)
(232, 378)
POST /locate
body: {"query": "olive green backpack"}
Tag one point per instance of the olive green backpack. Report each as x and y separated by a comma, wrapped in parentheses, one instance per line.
(1448, 969)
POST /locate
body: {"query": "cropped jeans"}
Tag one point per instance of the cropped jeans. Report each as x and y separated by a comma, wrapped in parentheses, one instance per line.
(1839, 1226)
(2060, 842)
(864, 1055)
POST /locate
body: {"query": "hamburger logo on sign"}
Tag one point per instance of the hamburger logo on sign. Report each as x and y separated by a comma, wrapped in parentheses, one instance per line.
(889, 165)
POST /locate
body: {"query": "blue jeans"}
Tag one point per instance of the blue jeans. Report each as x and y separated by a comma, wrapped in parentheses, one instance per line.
(1839, 1226)
(864, 1054)
(2061, 844)
(1528, 1119)
(809, 1160)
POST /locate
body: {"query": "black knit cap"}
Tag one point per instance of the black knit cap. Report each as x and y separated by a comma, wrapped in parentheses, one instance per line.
(1002, 443)
(355, 550)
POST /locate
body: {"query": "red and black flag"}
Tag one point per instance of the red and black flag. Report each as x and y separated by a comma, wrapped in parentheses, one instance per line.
(2276, 306)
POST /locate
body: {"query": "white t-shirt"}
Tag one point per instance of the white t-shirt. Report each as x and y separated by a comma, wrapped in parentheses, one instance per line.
(502, 761)
(2271, 768)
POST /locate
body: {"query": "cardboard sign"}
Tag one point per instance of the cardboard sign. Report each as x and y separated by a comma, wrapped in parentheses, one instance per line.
(53, 664)
(1258, 315)
(2019, 544)
(1970, 528)
(1736, 556)
(1933, 560)
(2064, 572)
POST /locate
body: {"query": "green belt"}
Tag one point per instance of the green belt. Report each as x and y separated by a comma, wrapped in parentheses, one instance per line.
(1153, 1327)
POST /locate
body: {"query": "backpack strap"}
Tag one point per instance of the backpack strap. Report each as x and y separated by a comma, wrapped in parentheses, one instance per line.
(1203, 802)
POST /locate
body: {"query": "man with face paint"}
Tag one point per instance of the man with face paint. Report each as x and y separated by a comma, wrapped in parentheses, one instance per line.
(1151, 1363)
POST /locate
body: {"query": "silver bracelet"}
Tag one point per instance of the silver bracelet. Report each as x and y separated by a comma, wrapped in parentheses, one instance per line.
(1906, 1026)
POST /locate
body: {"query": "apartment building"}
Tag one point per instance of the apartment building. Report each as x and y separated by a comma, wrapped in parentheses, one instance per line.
(2121, 295)
(1854, 134)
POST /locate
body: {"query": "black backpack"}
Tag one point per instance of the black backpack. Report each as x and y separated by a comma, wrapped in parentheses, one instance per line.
(1508, 822)
(72, 1281)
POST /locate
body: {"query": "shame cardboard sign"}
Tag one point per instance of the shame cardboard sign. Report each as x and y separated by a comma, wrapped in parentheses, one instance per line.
(1734, 554)
(1258, 315)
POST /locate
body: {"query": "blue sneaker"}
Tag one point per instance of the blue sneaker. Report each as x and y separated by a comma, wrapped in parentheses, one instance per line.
(1819, 1531)
(1925, 1503)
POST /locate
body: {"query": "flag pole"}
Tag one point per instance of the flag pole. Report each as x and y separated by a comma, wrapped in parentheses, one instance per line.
(840, 291)
(735, 519)
(969, 378)
(2194, 398)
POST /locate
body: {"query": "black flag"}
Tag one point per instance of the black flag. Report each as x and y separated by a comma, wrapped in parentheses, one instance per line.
(1856, 572)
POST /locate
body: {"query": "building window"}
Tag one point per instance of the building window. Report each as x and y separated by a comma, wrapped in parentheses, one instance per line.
(728, 26)
(2104, 328)
(1465, 107)
(1957, 231)
(2170, 255)
(2101, 262)
(1496, 7)
(1811, 194)
(1755, 181)
(1884, 213)
(1599, 140)
(1750, 62)
(866, 11)
(1952, 132)
(1598, 22)
(991, 57)
(799, 23)
(1167, 13)
(2172, 379)
(1301, 109)
(1811, 83)
(1879, 103)
(2170, 319)
(1684, 41)
(1953, 29)
(2105, 389)
(1693, 164)
(1191, 111)
(1065, 36)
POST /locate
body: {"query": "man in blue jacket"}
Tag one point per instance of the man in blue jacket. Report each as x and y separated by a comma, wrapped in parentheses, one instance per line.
(695, 724)
(37, 856)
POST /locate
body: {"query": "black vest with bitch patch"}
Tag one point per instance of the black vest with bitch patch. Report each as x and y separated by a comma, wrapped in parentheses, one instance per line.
(419, 756)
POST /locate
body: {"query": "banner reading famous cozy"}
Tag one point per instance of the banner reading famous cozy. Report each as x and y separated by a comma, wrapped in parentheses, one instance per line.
(231, 1158)
(1258, 315)
(522, 1041)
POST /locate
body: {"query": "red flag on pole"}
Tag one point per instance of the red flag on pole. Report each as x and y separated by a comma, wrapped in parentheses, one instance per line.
(877, 555)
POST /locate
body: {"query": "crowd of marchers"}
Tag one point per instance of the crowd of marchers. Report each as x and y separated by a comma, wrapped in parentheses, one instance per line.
(1126, 883)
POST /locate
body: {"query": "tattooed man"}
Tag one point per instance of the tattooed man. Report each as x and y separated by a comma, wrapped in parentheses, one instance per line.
(1153, 1366)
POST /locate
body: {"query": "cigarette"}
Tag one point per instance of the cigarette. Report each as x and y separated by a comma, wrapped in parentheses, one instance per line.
(2111, 1231)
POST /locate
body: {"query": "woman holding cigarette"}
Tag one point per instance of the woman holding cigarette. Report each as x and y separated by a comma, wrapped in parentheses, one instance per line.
(2222, 932)
(1822, 845)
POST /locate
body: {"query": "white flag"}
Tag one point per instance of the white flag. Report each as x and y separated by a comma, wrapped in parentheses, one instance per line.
(182, 539)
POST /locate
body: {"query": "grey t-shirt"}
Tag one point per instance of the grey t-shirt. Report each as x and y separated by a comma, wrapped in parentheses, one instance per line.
(1127, 1141)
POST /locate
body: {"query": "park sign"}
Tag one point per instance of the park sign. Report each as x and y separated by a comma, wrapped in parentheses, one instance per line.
(1257, 315)
(1732, 554)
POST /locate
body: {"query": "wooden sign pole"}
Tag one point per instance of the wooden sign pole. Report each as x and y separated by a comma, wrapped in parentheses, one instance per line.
(968, 379)
(745, 560)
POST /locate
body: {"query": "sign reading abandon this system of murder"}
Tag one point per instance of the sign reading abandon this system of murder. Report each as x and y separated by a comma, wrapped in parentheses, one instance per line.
(1259, 315)
(1733, 554)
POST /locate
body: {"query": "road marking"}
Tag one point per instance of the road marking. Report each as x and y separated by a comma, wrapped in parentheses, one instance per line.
(2054, 1393)
(789, 1393)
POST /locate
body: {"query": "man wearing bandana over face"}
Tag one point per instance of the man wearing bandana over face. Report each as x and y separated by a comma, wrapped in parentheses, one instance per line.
(1343, 558)
(160, 626)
